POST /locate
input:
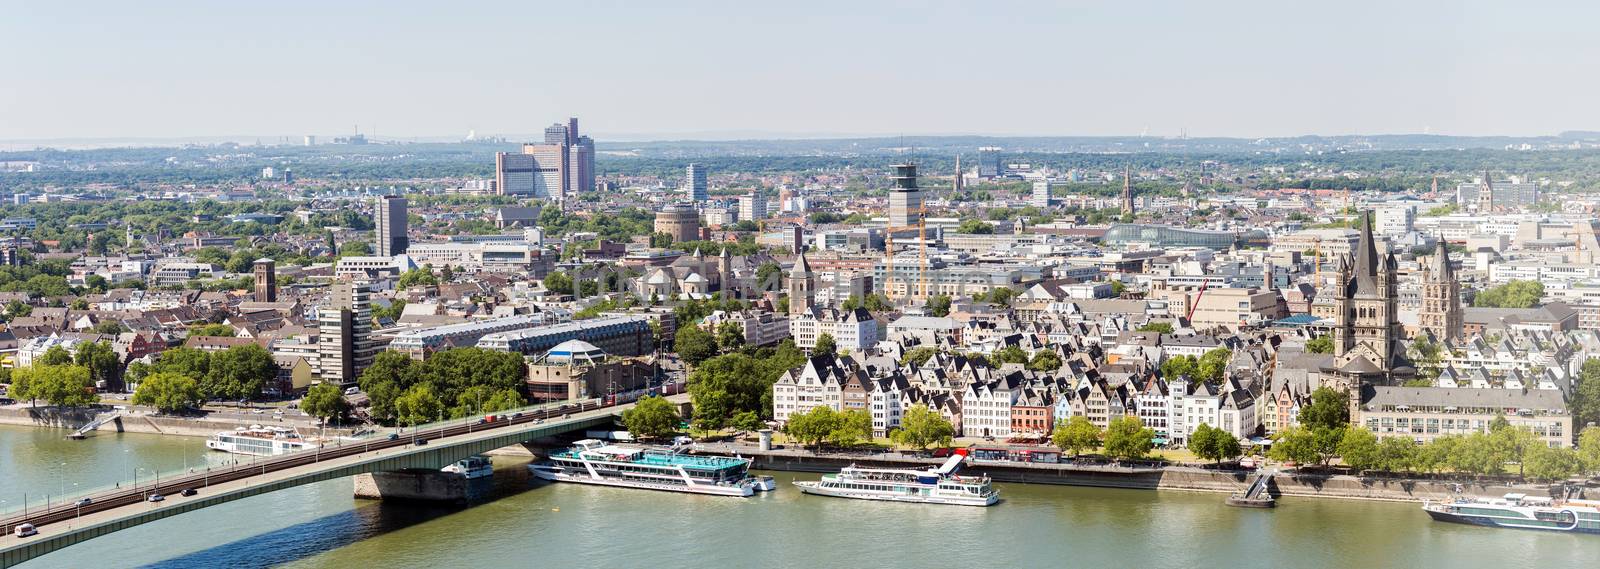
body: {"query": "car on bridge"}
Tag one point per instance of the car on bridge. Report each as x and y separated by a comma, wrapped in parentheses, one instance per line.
(155, 498)
(26, 530)
(84, 502)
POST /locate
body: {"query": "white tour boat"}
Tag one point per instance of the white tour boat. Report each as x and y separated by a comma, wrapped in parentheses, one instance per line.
(472, 467)
(592, 461)
(932, 486)
(256, 440)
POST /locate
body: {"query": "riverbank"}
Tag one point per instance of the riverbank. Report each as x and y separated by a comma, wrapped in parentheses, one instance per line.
(140, 422)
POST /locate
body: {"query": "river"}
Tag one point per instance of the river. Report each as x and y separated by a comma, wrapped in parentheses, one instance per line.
(527, 524)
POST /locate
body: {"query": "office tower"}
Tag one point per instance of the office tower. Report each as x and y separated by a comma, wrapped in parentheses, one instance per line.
(752, 207)
(1127, 190)
(288, 176)
(266, 280)
(905, 198)
(555, 134)
(694, 182)
(391, 221)
(345, 346)
(989, 162)
(311, 140)
(582, 156)
(514, 174)
(268, 173)
(549, 169)
(1504, 195)
(1041, 194)
(680, 221)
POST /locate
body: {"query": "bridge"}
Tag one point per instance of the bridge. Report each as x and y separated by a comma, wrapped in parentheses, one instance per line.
(430, 447)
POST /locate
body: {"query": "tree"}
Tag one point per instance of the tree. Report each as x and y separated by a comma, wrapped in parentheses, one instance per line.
(727, 385)
(918, 355)
(102, 362)
(1426, 354)
(1075, 435)
(1359, 448)
(1157, 327)
(1514, 294)
(1589, 449)
(851, 427)
(355, 249)
(58, 385)
(973, 226)
(222, 330)
(239, 372)
(1176, 366)
(730, 336)
(559, 283)
(109, 327)
(503, 400)
(55, 356)
(939, 305)
(1045, 360)
(1012, 354)
(1213, 366)
(1512, 444)
(920, 427)
(1128, 438)
(812, 427)
(694, 345)
(651, 418)
(187, 361)
(1117, 288)
(18, 309)
(1435, 455)
(826, 347)
(418, 405)
(168, 392)
(1320, 345)
(1543, 462)
(1296, 444)
(1397, 454)
(418, 277)
(325, 401)
(1586, 394)
(1476, 453)
(1329, 409)
(1213, 444)
(747, 421)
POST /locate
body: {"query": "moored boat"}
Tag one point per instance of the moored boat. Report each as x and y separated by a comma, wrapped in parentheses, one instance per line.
(472, 467)
(256, 440)
(595, 462)
(931, 486)
(1519, 511)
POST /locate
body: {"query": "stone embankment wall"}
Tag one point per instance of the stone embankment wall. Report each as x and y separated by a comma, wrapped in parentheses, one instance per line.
(415, 485)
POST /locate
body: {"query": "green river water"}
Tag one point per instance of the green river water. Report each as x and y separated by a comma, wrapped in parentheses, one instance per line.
(533, 524)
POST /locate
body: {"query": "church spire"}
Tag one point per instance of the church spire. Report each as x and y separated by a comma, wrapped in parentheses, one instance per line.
(1366, 259)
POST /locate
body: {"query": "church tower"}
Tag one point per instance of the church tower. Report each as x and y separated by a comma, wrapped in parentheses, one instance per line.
(1441, 313)
(1127, 190)
(1486, 195)
(1368, 348)
(802, 287)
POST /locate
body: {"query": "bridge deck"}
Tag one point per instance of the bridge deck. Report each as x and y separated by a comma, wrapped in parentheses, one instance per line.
(121, 509)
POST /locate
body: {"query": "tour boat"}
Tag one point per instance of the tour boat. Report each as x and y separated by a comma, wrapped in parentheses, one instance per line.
(472, 467)
(932, 486)
(256, 440)
(1520, 511)
(592, 461)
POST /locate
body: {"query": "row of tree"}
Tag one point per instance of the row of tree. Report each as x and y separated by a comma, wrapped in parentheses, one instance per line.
(449, 384)
(64, 378)
(823, 424)
(1124, 438)
(735, 389)
(235, 374)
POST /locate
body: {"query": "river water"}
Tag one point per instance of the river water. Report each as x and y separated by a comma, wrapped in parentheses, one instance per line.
(533, 524)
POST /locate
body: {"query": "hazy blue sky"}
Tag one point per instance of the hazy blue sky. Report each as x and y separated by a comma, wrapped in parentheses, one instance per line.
(696, 69)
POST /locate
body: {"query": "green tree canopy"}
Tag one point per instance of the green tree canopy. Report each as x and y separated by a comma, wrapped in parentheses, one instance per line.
(826, 347)
(812, 427)
(1514, 294)
(694, 345)
(651, 418)
(418, 277)
(1359, 449)
(239, 372)
(1320, 345)
(419, 405)
(1045, 360)
(59, 385)
(325, 401)
(1157, 327)
(939, 305)
(1127, 438)
(1214, 444)
(1075, 435)
(168, 392)
(920, 427)
(100, 359)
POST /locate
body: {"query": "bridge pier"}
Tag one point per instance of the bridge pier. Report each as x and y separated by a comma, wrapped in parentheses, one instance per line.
(413, 484)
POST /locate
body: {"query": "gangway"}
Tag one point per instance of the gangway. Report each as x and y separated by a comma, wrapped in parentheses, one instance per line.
(1256, 494)
(99, 421)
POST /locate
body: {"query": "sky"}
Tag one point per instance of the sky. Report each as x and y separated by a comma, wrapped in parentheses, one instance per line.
(690, 69)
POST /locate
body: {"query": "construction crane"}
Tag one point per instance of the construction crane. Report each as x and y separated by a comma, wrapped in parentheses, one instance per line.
(1196, 303)
(905, 178)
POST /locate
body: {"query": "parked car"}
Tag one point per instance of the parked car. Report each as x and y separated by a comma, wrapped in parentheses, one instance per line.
(421, 442)
(394, 436)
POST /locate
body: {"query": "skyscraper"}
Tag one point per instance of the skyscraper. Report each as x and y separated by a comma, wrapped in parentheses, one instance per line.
(905, 198)
(694, 182)
(752, 207)
(550, 169)
(989, 162)
(266, 280)
(391, 222)
(563, 165)
(514, 174)
(580, 157)
(345, 346)
(1041, 194)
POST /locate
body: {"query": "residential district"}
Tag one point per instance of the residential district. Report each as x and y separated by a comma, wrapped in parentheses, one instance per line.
(1006, 294)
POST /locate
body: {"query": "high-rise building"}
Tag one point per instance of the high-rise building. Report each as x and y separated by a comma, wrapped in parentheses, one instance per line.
(1128, 205)
(680, 221)
(1504, 194)
(266, 280)
(555, 134)
(581, 159)
(345, 346)
(1041, 194)
(550, 169)
(905, 198)
(560, 167)
(989, 163)
(514, 174)
(1441, 313)
(391, 222)
(694, 183)
(752, 207)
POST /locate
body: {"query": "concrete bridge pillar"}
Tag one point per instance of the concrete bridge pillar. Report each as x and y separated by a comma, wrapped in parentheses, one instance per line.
(414, 484)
